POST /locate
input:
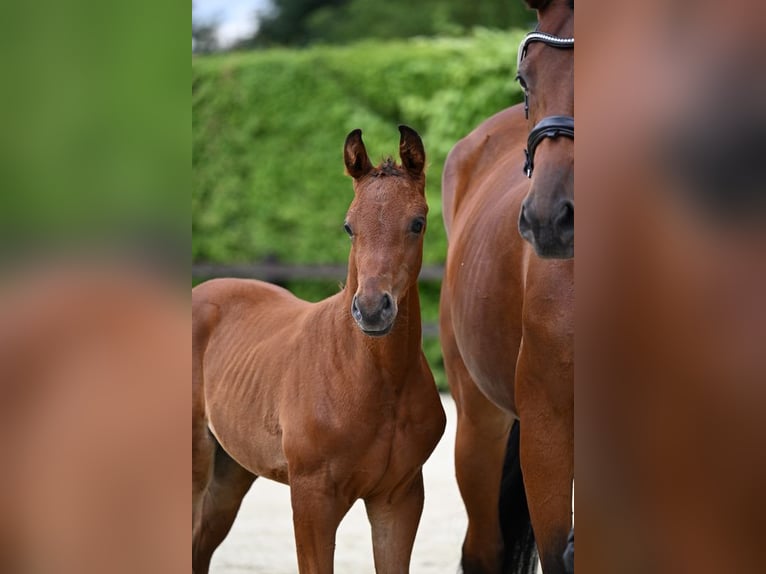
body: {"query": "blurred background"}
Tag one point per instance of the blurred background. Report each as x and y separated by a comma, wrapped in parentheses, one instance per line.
(95, 141)
(276, 87)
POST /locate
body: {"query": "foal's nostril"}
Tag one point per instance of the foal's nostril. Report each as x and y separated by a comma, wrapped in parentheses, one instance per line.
(386, 305)
(357, 314)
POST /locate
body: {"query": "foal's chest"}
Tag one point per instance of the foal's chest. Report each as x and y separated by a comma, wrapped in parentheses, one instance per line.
(367, 443)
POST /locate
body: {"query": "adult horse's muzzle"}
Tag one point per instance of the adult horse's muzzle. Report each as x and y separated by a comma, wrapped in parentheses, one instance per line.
(551, 235)
(374, 313)
(548, 224)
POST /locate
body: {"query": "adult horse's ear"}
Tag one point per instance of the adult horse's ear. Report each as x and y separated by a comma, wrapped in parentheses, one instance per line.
(542, 4)
(355, 155)
(411, 151)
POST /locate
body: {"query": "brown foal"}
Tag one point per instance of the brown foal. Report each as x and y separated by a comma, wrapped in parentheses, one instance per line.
(333, 398)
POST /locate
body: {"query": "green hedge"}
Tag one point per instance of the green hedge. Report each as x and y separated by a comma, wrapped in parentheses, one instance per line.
(269, 126)
(268, 132)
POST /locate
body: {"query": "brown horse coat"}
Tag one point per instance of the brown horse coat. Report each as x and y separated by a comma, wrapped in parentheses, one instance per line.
(507, 314)
(333, 398)
(507, 327)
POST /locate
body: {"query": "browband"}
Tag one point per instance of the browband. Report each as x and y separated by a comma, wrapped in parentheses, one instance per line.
(549, 39)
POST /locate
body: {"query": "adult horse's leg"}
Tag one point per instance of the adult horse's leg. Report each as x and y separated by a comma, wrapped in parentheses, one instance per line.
(546, 407)
(480, 443)
(519, 550)
(482, 435)
(394, 518)
(223, 496)
(318, 509)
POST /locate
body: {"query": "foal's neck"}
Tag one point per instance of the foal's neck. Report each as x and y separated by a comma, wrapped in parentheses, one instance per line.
(402, 346)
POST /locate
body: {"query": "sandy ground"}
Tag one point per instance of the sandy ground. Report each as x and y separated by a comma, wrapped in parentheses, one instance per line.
(261, 540)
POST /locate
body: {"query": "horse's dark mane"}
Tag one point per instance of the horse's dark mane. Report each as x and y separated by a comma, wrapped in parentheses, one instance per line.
(387, 167)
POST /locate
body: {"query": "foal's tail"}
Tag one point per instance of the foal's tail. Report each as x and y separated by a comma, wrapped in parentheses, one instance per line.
(520, 555)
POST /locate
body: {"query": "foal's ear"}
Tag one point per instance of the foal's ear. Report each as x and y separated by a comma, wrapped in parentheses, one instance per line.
(411, 151)
(355, 155)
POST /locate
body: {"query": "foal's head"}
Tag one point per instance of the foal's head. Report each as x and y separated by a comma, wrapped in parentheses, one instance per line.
(386, 222)
(546, 73)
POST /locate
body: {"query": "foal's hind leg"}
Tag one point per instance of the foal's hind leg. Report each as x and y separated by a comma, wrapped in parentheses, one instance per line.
(222, 498)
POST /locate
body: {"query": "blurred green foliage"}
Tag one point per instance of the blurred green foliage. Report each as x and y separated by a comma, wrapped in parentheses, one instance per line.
(267, 142)
(307, 22)
(268, 131)
(95, 127)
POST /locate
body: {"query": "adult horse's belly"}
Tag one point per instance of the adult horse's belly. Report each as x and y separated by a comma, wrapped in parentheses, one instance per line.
(486, 281)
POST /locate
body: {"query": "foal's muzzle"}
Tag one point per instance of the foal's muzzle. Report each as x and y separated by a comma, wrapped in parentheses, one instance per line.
(374, 314)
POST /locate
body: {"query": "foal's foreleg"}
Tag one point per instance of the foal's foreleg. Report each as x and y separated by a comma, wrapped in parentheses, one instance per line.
(317, 512)
(394, 518)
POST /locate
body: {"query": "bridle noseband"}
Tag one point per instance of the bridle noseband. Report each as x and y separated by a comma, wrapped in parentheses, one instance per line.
(551, 126)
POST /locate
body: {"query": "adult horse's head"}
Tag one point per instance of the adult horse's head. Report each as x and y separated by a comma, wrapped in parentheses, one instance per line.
(546, 73)
(386, 222)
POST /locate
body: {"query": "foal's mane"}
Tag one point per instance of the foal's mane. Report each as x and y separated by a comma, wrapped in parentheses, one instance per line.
(387, 167)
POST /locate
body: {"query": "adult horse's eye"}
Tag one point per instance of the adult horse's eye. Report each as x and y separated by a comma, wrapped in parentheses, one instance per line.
(417, 225)
(347, 229)
(521, 82)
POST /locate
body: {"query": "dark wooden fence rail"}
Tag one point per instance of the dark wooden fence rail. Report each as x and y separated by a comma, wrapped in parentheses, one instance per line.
(279, 272)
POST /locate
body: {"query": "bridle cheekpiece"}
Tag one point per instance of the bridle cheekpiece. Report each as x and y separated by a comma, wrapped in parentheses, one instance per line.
(550, 126)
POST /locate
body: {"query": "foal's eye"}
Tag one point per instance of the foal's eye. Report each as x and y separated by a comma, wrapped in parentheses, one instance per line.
(417, 225)
(347, 229)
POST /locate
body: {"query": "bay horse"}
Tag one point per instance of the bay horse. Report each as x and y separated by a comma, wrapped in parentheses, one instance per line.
(334, 398)
(507, 311)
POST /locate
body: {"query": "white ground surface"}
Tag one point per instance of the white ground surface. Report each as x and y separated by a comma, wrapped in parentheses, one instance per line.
(261, 540)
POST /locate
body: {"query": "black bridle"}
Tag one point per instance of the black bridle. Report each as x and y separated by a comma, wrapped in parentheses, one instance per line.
(551, 126)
